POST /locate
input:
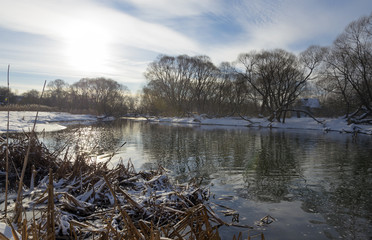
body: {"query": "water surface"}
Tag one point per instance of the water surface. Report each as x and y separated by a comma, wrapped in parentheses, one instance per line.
(316, 185)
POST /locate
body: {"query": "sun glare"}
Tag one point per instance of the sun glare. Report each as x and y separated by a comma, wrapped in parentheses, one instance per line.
(86, 47)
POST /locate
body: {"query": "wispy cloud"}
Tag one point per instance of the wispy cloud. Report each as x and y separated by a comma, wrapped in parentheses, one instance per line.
(59, 23)
(117, 38)
(289, 24)
(169, 9)
(55, 19)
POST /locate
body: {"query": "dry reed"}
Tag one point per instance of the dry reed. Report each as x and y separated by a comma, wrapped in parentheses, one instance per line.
(18, 205)
(7, 154)
(84, 199)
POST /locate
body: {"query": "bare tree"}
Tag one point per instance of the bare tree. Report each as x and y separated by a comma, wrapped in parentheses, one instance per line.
(104, 96)
(57, 93)
(278, 77)
(170, 78)
(31, 97)
(234, 91)
(349, 67)
(203, 82)
(339, 93)
(108, 95)
(79, 93)
(182, 84)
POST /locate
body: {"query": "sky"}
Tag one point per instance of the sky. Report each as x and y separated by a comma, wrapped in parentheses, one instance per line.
(117, 39)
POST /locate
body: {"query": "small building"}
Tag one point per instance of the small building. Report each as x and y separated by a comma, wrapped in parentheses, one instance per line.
(3, 100)
(310, 105)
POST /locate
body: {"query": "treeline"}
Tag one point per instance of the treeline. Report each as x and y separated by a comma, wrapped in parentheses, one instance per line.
(268, 82)
(89, 95)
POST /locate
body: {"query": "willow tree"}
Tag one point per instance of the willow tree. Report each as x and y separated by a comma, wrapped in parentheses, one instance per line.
(204, 84)
(169, 78)
(57, 93)
(349, 68)
(102, 95)
(278, 77)
(181, 84)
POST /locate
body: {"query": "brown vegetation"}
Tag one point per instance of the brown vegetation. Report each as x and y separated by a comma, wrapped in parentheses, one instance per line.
(85, 199)
(28, 107)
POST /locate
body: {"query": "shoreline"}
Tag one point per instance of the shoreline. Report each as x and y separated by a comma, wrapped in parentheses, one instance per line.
(304, 123)
(56, 121)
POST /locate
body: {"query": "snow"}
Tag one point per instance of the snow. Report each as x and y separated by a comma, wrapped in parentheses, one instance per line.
(55, 121)
(7, 231)
(47, 121)
(306, 123)
(310, 102)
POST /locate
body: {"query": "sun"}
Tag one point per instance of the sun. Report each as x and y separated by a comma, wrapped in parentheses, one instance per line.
(86, 47)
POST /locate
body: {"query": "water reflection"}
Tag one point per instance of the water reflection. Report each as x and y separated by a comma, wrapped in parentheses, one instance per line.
(318, 185)
(272, 168)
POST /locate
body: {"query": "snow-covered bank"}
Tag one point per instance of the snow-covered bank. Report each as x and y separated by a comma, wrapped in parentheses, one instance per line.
(47, 121)
(328, 124)
(55, 121)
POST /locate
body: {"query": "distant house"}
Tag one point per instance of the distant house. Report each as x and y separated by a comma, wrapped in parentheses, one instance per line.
(310, 105)
(3, 100)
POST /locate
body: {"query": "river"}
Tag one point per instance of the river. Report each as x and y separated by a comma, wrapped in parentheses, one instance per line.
(316, 185)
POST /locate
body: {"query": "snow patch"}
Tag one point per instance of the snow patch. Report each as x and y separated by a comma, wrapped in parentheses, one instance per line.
(306, 123)
(7, 231)
(47, 121)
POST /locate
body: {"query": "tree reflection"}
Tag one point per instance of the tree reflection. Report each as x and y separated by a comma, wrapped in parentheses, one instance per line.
(182, 150)
(343, 195)
(191, 152)
(272, 168)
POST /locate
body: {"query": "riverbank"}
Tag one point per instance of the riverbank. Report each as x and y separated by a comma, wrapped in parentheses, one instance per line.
(55, 121)
(47, 121)
(305, 123)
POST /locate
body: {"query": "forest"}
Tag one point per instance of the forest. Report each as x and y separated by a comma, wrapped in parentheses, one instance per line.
(269, 83)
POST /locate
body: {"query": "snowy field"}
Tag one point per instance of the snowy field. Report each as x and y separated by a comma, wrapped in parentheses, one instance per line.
(47, 121)
(328, 124)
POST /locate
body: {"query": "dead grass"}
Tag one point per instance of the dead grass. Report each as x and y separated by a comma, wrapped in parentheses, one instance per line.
(84, 199)
(28, 107)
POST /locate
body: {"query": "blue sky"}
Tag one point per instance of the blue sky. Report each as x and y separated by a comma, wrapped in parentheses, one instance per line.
(73, 39)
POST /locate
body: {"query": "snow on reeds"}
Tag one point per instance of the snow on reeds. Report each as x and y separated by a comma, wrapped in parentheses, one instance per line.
(85, 199)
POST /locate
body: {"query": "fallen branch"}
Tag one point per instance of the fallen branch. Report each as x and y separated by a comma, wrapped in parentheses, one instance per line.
(307, 113)
(247, 119)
